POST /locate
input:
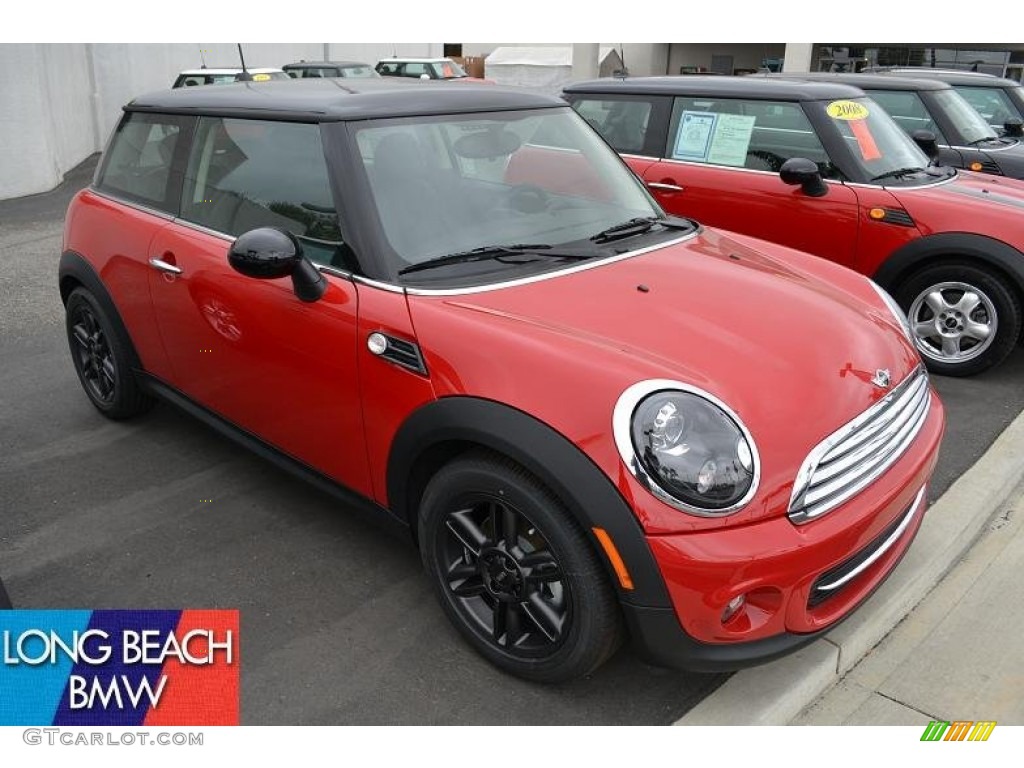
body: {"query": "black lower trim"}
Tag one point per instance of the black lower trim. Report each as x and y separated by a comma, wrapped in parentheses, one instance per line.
(659, 639)
(5, 601)
(362, 506)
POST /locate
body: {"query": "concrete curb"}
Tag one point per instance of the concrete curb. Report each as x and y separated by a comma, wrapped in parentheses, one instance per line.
(775, 693)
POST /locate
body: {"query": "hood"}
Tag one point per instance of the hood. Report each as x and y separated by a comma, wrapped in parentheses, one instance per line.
(971, 202)
(792, 354)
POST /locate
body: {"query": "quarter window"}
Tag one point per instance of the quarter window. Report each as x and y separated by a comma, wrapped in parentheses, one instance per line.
(138, 165)
(753, 134)
(623, 124)
(245, 174)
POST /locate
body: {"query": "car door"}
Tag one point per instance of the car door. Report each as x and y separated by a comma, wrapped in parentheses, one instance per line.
(249, 350)
(721, 163)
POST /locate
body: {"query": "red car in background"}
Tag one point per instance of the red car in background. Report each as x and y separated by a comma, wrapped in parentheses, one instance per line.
(820, 167)
(473, 323)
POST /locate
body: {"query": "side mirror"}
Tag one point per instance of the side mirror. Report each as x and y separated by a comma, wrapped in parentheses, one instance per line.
(800, 170)
(927, 142)
(1014, 127)
(269, 253)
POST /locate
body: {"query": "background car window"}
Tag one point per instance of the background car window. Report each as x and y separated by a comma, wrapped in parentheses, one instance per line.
(739, 133)
(414, 69)
(909, 112)
(138, 164)
(623, 124)
(244, 174)
(992, 103)
(360, 71)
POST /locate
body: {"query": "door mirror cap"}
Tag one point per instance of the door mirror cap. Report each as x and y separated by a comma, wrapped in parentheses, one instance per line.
(1014, 127)
(927, 142)
(800, 170)
(424, 76)
(269, 253)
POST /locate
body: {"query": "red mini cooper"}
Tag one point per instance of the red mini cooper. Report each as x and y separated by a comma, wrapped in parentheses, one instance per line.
(820, 167)
(456, 309)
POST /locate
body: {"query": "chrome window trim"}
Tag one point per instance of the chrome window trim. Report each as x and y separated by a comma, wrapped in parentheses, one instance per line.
(205, 230)
(543, 276)
(819, 451)
(884, 547)
(131, 203)
(622, 430)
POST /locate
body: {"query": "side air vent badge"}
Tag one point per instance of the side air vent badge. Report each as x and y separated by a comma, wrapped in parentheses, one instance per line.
(398, 351)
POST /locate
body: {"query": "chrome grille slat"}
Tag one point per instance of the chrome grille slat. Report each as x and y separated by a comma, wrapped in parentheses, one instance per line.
(827, 469)
(850, 459)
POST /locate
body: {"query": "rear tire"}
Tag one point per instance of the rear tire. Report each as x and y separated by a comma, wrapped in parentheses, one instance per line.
(102, 354)
(514, 572)
(964, 318)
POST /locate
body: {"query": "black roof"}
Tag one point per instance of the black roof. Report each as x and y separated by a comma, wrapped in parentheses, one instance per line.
(301, 64)
(864, 81)
(330, 99)
(976, 79)
(742, 87)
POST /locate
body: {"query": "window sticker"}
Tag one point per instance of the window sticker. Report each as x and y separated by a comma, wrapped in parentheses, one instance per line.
(710, 137)
(260, 78)
(731, 141)
(693, 139)
(865, 141)
(846, 110)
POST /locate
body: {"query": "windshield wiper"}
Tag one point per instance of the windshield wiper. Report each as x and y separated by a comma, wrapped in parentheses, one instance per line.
(897, 173)
(638, 226)
(496, 252)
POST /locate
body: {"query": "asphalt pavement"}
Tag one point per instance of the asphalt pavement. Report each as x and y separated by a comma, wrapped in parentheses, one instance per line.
(338, 623)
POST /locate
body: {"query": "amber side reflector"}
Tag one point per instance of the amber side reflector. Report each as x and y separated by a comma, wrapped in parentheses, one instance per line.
(877, 213)
(976, 166)
(613, 555)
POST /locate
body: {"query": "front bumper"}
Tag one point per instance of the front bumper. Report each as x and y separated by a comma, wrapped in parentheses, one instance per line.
(781, 569)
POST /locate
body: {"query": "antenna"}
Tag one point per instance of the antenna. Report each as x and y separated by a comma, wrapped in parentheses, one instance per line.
(244, 74)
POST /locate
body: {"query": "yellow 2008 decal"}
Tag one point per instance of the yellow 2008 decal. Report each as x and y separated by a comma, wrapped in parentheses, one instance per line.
(260, 78)
(846, 110)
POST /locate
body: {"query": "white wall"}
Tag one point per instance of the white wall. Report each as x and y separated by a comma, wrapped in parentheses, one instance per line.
(60, 102)
(642, 59)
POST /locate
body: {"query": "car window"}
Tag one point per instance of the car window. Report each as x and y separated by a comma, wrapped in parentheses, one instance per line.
(742, 133)
(909, 112)
(357, 71)
(138, 163)
(992, 103)
(414, 69)
(244, 174)
(622, 123)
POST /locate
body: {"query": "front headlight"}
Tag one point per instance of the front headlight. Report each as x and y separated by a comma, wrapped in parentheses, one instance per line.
(897, 311)
(686, 447)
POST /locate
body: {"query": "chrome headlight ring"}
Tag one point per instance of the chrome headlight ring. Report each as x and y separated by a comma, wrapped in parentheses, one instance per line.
(670, 423)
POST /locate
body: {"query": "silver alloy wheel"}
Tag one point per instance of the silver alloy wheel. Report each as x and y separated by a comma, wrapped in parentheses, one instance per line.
(953, 322)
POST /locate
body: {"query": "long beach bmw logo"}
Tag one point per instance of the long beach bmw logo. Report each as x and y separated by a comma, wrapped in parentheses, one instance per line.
(882, 378)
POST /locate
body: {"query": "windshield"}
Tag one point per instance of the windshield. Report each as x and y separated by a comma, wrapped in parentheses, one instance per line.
(451, 184)
(993, 104)
(876, 144)
(971, 126)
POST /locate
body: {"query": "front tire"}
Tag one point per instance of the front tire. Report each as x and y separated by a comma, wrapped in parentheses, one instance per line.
(101, 352)
(964, 319)
(514, 572)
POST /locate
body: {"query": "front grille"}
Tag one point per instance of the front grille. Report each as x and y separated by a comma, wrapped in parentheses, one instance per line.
(833, 580)
(850, 459)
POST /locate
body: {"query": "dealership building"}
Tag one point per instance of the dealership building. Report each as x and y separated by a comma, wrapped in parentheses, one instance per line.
(60, 102)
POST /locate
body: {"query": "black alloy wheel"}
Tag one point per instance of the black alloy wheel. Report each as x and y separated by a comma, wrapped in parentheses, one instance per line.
(514, 572)
(100, 351)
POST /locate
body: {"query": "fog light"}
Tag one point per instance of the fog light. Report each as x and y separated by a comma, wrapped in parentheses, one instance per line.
(733, 607)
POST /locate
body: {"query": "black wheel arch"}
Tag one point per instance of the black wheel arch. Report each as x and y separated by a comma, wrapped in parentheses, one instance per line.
(983, 251)
(75, 271)
(439, 431)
